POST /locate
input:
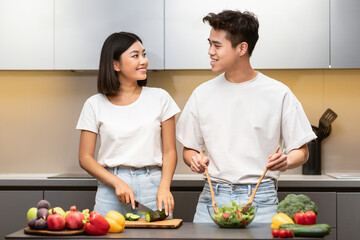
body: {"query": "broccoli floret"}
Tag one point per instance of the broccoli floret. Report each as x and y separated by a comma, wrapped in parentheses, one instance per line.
(296, 203)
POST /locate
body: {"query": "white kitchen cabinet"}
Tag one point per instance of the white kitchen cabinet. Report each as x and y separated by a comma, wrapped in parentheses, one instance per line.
(345, 34)
(293, 34)
(27, 34)
(81, 27)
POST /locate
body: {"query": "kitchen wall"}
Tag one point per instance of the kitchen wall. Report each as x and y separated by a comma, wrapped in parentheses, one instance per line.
(39, 111)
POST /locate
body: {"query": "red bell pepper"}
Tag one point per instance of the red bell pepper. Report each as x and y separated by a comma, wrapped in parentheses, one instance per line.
(96, 224)
(305, 218)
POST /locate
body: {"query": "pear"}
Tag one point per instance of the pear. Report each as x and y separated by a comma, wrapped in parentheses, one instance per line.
(31, 213)
(57, 210)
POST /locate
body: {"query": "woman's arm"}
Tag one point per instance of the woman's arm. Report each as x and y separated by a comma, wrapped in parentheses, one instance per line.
(89, 164)
(168, 168)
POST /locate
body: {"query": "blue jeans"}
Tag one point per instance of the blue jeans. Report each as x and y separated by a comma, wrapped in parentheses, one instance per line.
(265, 198)
(143, 181)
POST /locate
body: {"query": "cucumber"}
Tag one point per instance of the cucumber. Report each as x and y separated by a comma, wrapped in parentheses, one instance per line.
(132, 216)
(315, 230)
(150, 218)
(127, 216)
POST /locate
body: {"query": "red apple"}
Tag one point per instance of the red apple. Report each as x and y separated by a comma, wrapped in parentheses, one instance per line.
(55, 221)
(74, 219)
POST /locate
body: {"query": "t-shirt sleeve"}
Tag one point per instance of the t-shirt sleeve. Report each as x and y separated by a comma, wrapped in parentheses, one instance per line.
(169, 106)
(188, 131)
(296, 129)
(87, 120)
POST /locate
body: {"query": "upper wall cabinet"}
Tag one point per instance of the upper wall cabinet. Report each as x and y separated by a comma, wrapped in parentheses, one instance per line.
(81, 27)
(27, 34)
(292, 33)
(345, 33)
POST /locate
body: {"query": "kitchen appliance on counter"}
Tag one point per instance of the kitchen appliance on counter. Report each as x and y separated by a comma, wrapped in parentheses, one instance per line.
(313, 165)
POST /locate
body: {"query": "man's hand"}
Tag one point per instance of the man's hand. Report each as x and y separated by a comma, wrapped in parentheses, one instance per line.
(199, 165)
(278, 162)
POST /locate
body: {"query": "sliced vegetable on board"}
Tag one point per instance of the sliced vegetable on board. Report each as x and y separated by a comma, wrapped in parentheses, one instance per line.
(150, 218)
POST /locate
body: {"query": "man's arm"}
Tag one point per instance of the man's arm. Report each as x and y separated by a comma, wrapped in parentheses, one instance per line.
(281, 162)
(193, 159)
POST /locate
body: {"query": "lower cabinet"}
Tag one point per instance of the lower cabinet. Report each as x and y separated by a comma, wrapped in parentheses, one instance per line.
(185, 204)
(66, 199)
(348, 215)
(326, 203)
(13, 207)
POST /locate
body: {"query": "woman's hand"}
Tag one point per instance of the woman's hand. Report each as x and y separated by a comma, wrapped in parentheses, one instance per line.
(124, 193)
(165, 197)
(197, 164)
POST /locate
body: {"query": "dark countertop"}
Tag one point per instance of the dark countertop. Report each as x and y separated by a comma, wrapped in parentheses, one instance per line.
(180, 181)
(203, 231)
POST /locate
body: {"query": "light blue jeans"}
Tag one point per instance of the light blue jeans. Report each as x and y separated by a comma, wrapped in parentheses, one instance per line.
(265, 198)
(143, 181)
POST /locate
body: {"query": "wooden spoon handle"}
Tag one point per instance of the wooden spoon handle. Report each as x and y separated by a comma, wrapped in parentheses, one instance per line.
(209, 181)
(261, 178)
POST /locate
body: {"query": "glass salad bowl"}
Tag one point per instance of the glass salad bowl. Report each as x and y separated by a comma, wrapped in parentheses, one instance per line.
(230, 216)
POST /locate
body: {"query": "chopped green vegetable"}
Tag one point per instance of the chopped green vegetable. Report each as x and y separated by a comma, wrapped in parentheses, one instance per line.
(132, 216)
(294, 203)
(150, 218)
(127, 216)
(230, 216)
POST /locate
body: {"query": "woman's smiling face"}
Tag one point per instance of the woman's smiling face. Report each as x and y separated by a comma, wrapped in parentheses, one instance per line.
(133, 63)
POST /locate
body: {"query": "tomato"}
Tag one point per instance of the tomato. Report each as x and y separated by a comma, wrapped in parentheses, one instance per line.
(275, 232)
(226, 215)
(283, 233)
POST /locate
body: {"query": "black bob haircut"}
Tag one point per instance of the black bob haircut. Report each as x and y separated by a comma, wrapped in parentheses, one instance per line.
(114, 46)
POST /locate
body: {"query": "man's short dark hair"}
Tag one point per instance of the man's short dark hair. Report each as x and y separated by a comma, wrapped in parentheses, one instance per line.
(239, 26)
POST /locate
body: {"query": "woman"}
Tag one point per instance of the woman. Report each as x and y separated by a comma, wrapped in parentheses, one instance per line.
(136, 129)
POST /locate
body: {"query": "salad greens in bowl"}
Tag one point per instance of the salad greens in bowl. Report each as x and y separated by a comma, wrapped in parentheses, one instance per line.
(230, 216)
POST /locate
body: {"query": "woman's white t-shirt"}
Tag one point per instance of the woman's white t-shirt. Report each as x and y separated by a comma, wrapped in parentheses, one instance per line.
(241, 124)
(129, 135)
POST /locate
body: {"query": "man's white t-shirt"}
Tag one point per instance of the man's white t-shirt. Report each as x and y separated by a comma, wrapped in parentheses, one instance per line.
(129, 135)
(241, 124)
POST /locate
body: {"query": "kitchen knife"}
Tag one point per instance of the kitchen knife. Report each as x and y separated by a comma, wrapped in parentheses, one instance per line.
(143, 210)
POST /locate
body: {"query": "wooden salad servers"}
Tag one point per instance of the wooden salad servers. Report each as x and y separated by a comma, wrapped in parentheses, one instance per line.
(215, 206)
(245, 207)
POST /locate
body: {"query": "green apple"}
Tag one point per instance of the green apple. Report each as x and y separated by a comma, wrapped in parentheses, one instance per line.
(58, 210)
(31, 213)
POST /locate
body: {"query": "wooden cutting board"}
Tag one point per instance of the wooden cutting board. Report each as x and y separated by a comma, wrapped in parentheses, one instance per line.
(142, 223)
(54, 233)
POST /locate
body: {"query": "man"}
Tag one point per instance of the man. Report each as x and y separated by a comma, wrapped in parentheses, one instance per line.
(241, 117)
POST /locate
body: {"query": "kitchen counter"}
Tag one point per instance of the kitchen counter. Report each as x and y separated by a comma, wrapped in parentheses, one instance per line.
(203, 231)
(183, 181)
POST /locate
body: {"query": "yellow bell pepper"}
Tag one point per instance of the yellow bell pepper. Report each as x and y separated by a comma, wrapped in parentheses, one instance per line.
(279, 219)
(116, 221)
